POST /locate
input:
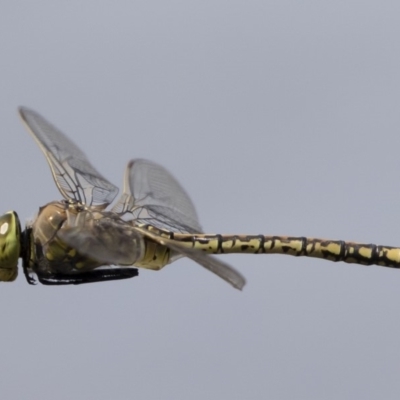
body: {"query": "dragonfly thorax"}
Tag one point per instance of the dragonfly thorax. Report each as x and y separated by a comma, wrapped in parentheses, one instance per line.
(48, 253)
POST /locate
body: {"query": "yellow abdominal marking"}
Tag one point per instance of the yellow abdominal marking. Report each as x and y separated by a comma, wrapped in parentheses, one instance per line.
(155, 256)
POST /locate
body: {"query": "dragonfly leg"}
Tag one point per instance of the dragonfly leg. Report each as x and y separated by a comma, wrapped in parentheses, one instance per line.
(78, 278)
(30, 279)
(25, 255)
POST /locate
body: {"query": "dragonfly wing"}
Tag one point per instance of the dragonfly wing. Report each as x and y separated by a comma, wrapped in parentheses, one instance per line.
(156, 198)
(221, 269)
(75, 177)
(102, 237)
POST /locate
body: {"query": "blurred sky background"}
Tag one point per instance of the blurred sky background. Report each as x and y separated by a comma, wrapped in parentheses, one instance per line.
(278, 117)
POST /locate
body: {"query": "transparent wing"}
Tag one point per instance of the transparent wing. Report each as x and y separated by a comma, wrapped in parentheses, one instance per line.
(155, 197)
(219, 268)
(75, 177)
(103, 237)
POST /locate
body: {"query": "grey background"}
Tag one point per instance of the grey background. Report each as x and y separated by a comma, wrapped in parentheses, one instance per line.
(280, 117)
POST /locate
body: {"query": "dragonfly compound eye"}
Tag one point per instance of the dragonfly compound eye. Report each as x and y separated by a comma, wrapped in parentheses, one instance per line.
(10, 246)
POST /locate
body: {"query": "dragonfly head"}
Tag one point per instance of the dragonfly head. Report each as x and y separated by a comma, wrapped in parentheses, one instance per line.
(10, 246)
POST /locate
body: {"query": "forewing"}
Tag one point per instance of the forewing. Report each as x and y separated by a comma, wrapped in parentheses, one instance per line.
(75, 177)
(221, 269)
(155, 197)
(102, 237)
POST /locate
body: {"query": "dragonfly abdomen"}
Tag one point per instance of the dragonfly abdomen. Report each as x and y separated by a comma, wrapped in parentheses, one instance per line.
(155, 255)
(332, 250)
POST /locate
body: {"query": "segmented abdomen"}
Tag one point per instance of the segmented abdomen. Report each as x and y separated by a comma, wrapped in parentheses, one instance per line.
(333, 250)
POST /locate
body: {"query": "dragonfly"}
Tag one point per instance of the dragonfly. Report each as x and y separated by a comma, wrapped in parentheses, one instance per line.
(85, 238)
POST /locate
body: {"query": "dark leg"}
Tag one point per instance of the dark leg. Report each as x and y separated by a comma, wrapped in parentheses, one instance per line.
(77, 278)
(25, 255)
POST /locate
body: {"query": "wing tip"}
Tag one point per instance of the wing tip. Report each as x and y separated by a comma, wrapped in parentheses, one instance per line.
(239, 285)
(24, 111)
